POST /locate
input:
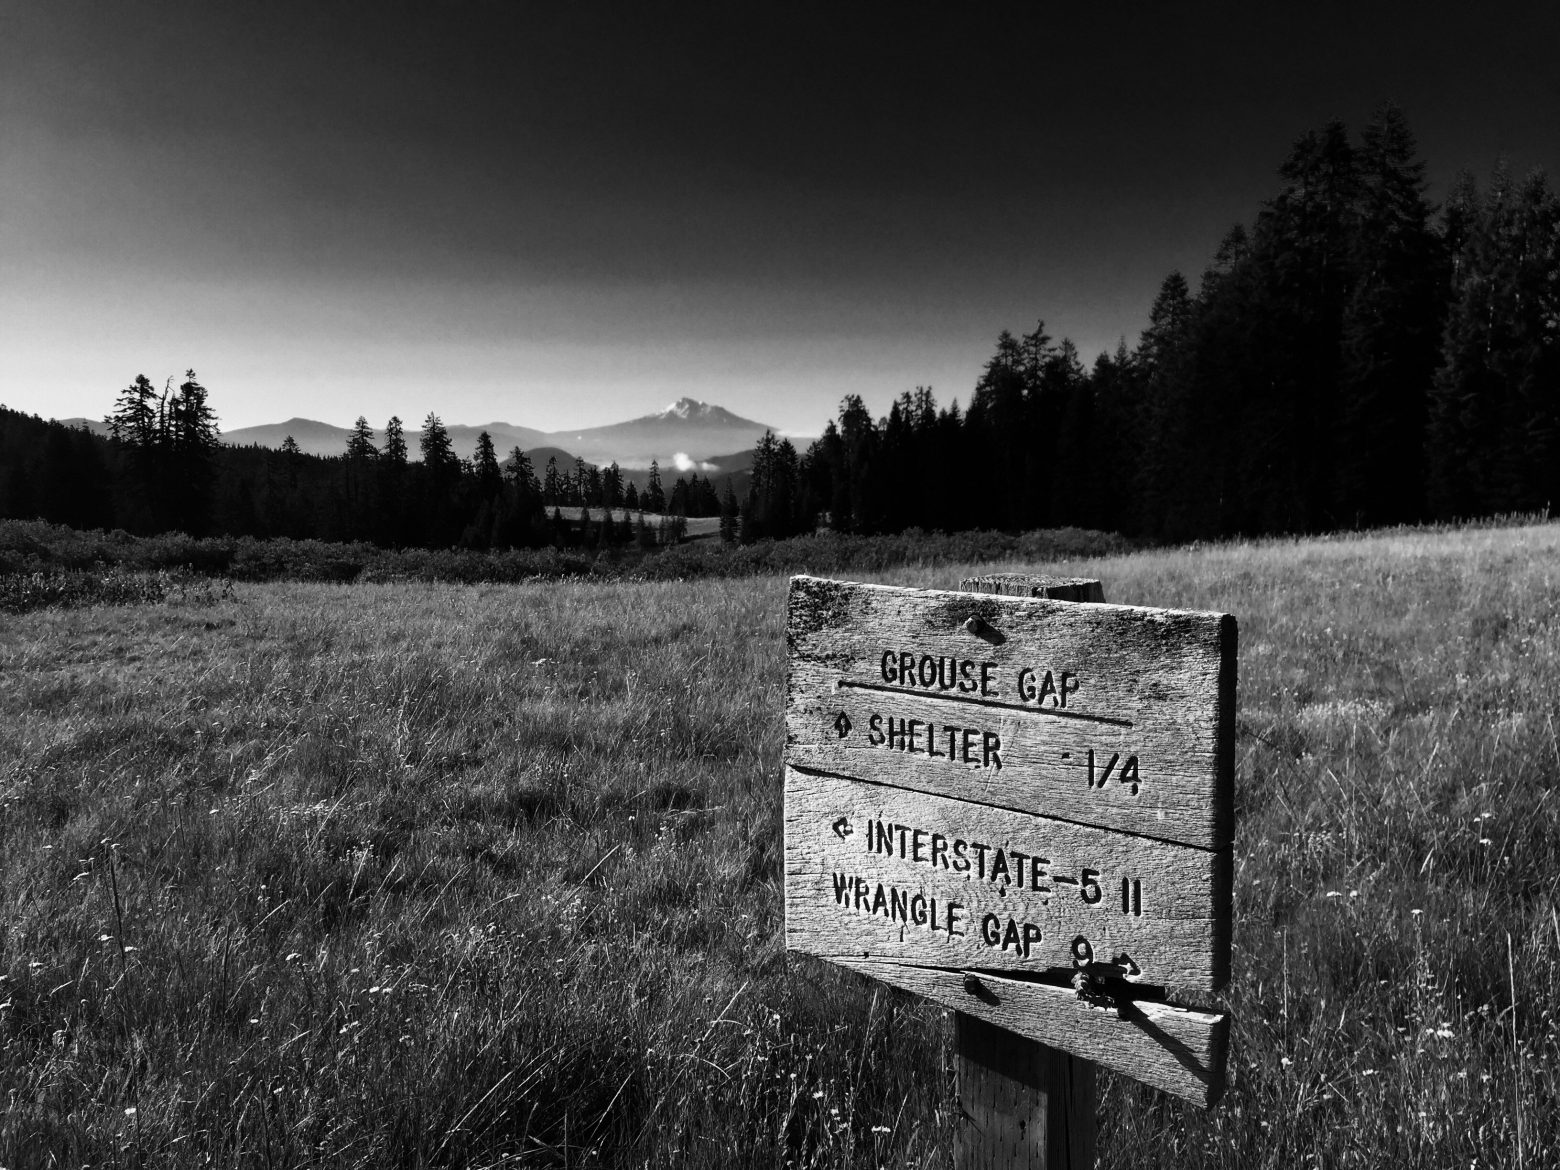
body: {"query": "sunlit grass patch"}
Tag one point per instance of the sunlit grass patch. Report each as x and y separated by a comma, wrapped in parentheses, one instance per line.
(355, 875)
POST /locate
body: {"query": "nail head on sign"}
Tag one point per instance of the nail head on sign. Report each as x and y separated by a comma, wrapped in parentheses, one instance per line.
(974, 625)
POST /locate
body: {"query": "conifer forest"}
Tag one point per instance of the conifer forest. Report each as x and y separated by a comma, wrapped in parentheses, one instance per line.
(1357, 355)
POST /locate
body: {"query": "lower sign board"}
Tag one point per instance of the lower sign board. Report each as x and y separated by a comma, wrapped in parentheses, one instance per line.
(997, 792)
(877, 872)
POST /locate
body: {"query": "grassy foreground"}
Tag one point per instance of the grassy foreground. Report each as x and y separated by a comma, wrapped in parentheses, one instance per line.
(438, 875)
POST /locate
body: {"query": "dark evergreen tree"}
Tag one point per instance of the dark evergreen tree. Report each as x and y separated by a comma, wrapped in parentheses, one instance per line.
(360, 494)
(1390, 333)
(677, 505)
(653, 498)
(1006, 478)
(1172, 486)
(552, 483)
(360, 442)
(189, 454)
(729, 515)
(1494, 432)
(391, 527)
(134, 417)
(1304, 248)
(134, 424)
(488, 474)
(440, 475)
(522, 516)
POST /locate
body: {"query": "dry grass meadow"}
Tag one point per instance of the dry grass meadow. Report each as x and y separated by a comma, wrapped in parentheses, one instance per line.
(471, 876)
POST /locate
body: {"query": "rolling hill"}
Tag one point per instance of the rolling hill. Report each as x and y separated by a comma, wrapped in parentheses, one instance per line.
(688, 436)
(694, 430)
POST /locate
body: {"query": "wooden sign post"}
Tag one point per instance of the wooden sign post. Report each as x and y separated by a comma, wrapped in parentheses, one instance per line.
(1021, 808)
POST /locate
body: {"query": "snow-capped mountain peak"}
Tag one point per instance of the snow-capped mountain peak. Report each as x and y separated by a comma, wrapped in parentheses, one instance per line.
(686, 408)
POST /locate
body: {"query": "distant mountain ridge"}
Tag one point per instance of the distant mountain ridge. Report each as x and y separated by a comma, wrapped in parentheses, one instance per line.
(683, 436)
(318, 438)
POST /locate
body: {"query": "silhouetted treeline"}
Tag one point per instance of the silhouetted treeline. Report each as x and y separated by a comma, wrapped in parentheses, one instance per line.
(164, 471)
(1356, 357)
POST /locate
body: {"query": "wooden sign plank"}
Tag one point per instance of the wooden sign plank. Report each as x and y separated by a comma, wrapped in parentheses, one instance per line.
(1113, 716)
(988, 792)
(1172, 1048)
(878, 872)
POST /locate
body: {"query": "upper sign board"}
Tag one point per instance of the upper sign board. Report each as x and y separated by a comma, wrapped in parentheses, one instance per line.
(1006, 783)
(1106, 715)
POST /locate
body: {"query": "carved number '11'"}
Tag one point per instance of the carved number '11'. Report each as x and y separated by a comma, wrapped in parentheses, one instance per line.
(1132, 897)
(1127, 776)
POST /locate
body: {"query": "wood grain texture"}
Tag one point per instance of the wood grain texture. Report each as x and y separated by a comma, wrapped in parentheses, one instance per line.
(1021, 1104)
(847, 892)
(1175, 1049)
(1149, 685)
(1085, 589)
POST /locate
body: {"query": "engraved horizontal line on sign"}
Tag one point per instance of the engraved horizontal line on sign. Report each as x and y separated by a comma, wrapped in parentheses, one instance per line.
(985, 801)
(979, 702)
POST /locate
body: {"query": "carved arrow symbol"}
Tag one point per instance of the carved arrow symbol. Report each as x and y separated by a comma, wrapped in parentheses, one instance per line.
(842, 725)
(842, 828)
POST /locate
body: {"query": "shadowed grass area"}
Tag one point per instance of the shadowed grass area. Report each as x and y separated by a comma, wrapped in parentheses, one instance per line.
(435, 875)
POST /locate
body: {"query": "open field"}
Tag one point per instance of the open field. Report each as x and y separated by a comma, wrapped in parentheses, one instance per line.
(695, 526)
(440, 875)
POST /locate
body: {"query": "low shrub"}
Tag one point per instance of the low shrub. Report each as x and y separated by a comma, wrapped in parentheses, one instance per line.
(73, 588)
(31, 547)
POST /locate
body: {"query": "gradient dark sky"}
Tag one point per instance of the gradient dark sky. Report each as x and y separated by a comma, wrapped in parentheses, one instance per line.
(562, 216)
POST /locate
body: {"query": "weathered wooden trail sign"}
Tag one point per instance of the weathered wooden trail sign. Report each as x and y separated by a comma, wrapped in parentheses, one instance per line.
(987, 795)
